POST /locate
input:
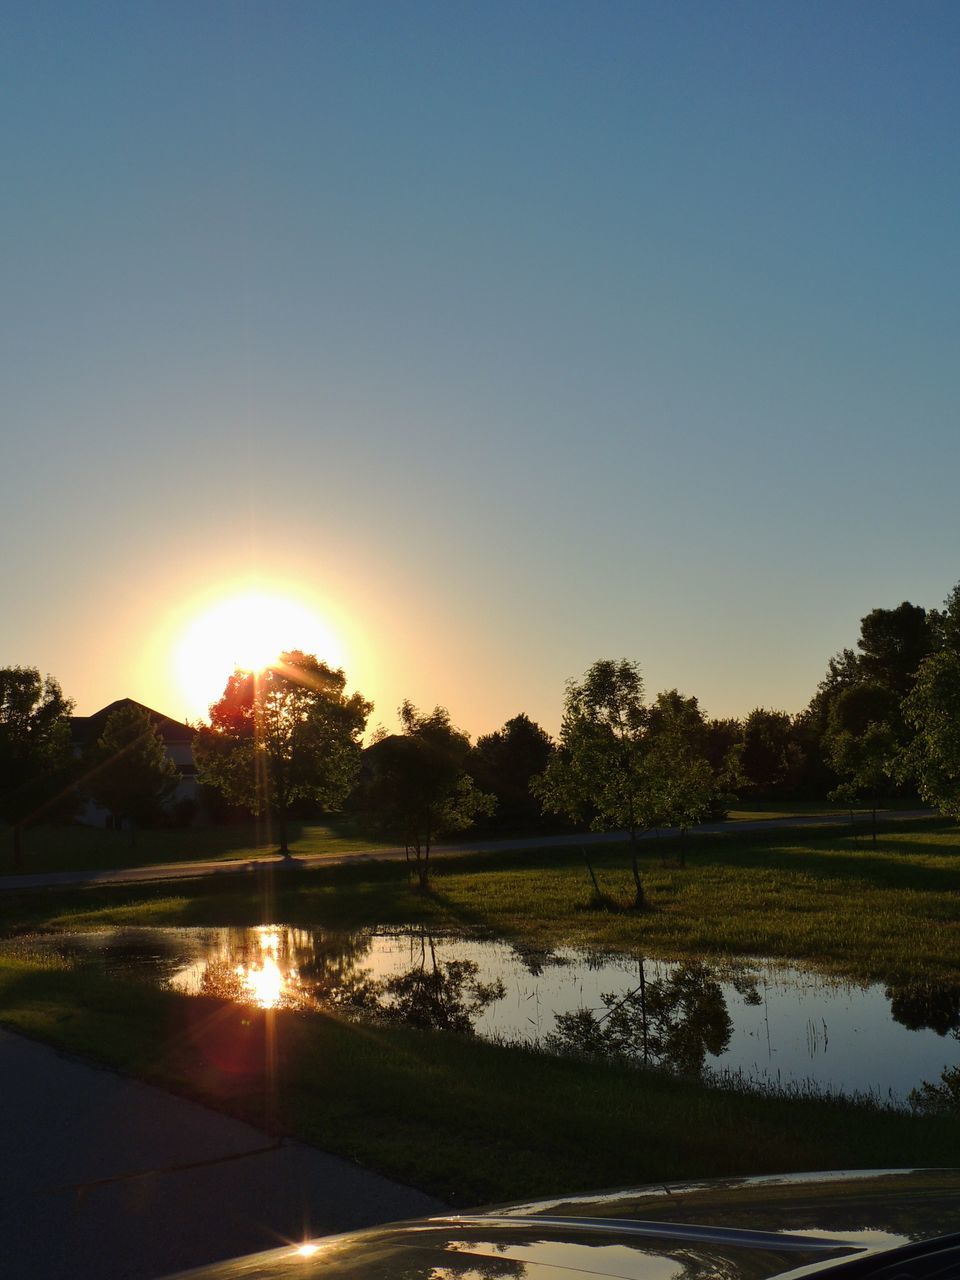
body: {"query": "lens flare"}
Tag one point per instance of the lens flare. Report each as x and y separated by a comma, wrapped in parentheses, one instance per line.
(248, 631)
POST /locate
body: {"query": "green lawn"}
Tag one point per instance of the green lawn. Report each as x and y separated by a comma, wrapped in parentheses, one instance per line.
(752, 810)
(77, 847)
(475, 1122)
(468, 1121)
(887, 913)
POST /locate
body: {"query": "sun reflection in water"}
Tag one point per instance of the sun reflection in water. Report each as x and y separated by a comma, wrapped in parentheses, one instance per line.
(265, 983)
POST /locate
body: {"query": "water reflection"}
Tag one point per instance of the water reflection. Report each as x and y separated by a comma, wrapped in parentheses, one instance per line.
(760, 1021)
(274, 967)
(927, 1004)
(672, 1022)
(429, 994)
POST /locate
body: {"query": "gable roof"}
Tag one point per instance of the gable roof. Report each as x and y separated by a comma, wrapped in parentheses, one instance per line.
(84, 729)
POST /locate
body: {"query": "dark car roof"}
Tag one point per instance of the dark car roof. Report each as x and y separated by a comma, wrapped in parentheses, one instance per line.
(734, 1229)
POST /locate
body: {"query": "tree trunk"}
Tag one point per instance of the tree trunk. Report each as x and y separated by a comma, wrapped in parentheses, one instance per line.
(874, 813)
(596, 887)
(639, 898)
(643, 1012)
(282, 828)
(423, 864)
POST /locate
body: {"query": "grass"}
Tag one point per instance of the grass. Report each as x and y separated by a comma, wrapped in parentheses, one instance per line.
(829, 900)
(753, 810)
(470, 1122)
(77, 847)
(74, 847)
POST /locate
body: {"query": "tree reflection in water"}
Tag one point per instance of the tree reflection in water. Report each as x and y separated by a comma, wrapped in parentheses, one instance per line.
(671, 1022)
(430, 994)
(926, 1004)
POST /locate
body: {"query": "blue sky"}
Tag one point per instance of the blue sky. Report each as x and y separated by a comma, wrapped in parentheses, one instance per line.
(517, 334)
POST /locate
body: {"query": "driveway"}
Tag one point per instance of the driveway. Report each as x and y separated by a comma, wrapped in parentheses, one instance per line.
(104, 1178)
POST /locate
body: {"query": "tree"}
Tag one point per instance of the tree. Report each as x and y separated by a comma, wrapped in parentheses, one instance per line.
(35, 750)
(683, 788)
(281, 735)
(599, 773)
(770, 756)
(132, 774)
(932, 710)
(505, 762)
(862, 742)
(893, 643)
(420, 787)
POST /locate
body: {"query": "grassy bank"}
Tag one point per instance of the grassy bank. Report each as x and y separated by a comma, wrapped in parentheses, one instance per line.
(77, 847)
(468, 1121)
(885, 914)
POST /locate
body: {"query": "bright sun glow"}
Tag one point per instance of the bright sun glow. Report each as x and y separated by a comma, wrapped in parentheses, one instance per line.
(265, 983)
(248, 630)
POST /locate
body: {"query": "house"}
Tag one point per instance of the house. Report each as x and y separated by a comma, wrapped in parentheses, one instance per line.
(177, 738)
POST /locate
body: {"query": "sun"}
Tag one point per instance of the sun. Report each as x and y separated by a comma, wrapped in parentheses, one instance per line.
(247, 630)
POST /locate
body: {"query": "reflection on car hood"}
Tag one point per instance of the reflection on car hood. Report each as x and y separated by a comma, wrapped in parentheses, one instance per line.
(730, 1229)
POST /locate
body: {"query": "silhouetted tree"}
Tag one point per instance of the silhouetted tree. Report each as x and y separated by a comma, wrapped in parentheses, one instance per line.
(893, 643)
(862, 743)
(35, 750)
(932, 710)
(504, 763)
(682, 788)
(599, 773)
(420, 787)
(770, 756)
(287, 733)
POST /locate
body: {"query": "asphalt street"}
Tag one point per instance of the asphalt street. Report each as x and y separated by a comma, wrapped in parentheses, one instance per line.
(104, 1178)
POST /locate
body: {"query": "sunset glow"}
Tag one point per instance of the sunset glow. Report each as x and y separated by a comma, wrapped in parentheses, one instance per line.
(248, 630)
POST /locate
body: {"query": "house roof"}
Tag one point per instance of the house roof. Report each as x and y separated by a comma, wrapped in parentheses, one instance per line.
(84, 729)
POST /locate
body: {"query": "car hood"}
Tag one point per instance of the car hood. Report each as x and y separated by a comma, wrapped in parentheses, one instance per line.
(724, 1229)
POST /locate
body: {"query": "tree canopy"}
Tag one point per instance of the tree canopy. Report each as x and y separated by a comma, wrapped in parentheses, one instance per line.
(504, 763)
(420, 787)
(599, 774)
(35, 751)
(287, 733)
(933, 711)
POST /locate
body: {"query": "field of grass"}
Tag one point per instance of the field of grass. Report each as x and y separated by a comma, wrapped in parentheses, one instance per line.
(752, 810)
(470, 1122)
(74, 847)
(831, 900)
(77, 847)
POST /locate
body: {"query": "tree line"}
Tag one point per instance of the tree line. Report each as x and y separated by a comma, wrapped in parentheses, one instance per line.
(884, 719)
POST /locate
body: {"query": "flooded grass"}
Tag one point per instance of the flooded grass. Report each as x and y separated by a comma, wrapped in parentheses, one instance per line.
(753, 1021)
(887, 914)
(466, 1120)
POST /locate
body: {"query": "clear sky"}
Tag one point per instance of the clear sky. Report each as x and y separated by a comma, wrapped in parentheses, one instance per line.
(508, 335)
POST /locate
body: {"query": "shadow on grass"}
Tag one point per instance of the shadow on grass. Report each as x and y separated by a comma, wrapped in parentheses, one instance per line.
(894, 863)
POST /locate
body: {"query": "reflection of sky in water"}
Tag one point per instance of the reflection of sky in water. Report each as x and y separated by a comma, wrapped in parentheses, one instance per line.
(789, 1026)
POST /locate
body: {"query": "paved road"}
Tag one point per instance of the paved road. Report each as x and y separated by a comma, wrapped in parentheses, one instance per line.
(242, 866)
(103, 1177)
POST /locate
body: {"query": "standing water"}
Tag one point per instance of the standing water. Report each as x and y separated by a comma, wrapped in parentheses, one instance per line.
(764, 1022)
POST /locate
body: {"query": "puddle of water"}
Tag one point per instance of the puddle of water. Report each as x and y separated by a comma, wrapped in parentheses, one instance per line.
(766, 1022)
